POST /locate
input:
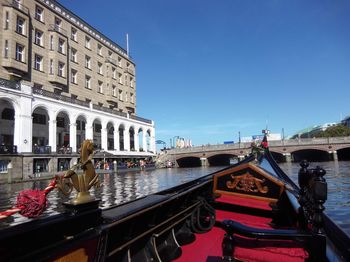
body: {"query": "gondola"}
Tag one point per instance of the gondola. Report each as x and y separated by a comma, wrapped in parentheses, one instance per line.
(250, 211)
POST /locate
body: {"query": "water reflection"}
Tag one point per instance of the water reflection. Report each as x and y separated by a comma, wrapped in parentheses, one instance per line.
(338, 180)
(120, 188)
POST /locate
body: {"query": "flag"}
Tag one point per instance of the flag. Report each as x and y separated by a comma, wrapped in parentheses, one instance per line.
(264, 142)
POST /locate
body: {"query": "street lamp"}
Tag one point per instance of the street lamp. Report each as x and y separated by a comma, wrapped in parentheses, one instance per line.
(239, 138)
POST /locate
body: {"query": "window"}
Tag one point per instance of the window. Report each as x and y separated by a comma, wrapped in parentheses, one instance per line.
(51, 67)
(73, 77)
(125, 80)
(38, 37)
(8, 114)
(58, 24)
(60, 122)
(60, 69)
(19, 52)
(131, 97)
(98, 128)
(39, 119)
(87, 62)
(6, 49)
(131, 82)
(110, 54)
(20, 25)
(114, 90)
(87, 42)
(73, 55)
(99, 49)
(17, 3)
(7, 20)
(121, 95)
(61, 45)
(73, 35)
(100, 69)
(100, 87)
(78, 124)
(120, 76)
(119, 61)
(38, 62)
(114, 72)
(126, 96)
(51, 42)
(39, 13)
(88, 82)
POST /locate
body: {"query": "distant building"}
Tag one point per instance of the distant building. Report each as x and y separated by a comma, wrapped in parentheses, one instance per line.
(311, 131)
(346, 121)
(270, 137)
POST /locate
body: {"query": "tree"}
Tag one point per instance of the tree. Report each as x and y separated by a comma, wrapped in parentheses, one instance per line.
(333, 131)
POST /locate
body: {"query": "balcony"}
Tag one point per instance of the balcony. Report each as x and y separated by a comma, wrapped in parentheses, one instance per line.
(109, 110)
(59, 97)
(58, 29)
(14, 67)
(141, 119)
(42, 149)
(17, 6)
(8, 150)
(64, 150)
(112, 61)
(130, 71)
(10, 84)
(57, 79)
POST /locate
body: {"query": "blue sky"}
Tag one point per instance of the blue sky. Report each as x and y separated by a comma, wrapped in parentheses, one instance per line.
(208, 69)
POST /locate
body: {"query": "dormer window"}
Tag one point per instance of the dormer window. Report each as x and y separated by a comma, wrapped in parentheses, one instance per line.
(87, 42)
(39, 13)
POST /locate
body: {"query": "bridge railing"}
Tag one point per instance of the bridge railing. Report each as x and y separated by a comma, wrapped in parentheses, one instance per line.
(286, 142)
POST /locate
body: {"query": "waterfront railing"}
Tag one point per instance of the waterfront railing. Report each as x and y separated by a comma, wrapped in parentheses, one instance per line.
(8, 149)
(10, 84)
(42, 149)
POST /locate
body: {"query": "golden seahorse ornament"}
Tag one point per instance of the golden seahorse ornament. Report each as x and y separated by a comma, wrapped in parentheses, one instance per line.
(81, 182)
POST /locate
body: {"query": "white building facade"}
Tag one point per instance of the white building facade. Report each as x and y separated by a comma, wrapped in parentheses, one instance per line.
(62, 82)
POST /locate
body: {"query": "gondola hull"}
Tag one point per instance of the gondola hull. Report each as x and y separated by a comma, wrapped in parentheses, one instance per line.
(250, 211)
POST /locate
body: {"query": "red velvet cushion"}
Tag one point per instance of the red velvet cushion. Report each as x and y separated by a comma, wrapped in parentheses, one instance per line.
(244, 201)
(269, 250)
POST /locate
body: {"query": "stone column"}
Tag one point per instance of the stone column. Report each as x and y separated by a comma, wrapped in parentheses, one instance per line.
(73, 136)
(126, 139)
(287, 157)
(23, 133)
(335, 156)
(136, 141)
(53, 135)
(104, 139)
(89, 132)
(116, 140)
(144, 141)
(153, 144)
(23, 129)
(204, 161)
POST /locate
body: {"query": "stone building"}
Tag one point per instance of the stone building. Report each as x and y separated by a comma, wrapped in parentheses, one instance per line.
(61, 82)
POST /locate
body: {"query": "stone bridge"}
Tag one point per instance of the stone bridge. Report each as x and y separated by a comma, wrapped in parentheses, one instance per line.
(312, 149)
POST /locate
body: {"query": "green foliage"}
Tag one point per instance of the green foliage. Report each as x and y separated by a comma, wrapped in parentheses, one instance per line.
(333, 131)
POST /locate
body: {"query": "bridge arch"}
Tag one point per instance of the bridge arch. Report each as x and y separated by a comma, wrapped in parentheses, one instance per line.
(344, 154)
(189, 162)
(311, 155)
(221, 159)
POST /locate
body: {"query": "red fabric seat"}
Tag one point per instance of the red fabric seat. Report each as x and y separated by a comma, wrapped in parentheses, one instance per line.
(207, 246)
(243, 201)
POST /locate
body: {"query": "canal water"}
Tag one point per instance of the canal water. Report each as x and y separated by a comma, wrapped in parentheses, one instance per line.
(120, 188)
